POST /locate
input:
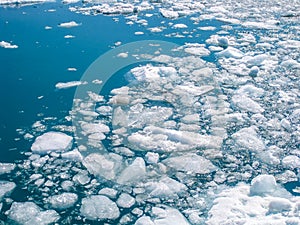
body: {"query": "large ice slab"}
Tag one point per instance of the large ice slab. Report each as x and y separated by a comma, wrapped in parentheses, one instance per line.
(6, 188)
(190, 163)
(6, 167)
(28, 213)
(52, 142)
(63, 201)
(99, 207)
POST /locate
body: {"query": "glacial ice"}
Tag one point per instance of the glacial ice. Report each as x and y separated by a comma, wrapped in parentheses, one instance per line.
(69, 24)
(99, 207)
(28, 213)
(52, 142)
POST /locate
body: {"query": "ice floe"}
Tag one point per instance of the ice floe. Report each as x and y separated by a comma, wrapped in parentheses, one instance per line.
(52, 141)
(69, 24)
(69, 84)
(5, 44)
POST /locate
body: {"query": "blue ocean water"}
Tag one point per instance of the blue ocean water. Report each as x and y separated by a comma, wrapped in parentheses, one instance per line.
(30, 72)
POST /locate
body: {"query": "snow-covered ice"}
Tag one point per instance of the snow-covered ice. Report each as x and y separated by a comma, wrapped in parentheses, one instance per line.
(63, 85)
(69, 24)
(63, 201)
(5, 44)
(6, 188)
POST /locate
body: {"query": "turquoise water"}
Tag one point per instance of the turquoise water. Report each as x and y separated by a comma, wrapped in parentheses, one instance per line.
(43, 56)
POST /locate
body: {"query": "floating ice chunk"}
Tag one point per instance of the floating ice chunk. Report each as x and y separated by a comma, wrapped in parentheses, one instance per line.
(168, 216)
(122, 55)
(256, 60)
(52, 142)
(7, 2)
(99, 207)
(6, 188)
(63, 201)
(247, 138)
(251, 91)
(180, 26)
(138, 33)
(48, 28)
(150, 73)
(245, 103)
(290, 64)
(261, 25)
(144, 220)
(69, 37)
(278, 205)
(6, 167)
(295, 116)
(109, 192)
(169, 13)
(5, 44)
(165, 188)
(105, 165)
(200, 51)
(73, 155)
(155, 29)
(291, 161)
(190, 163)
(69, 24)
(135, 172)
(223, 41)
(290, 44)
(230, 52)
(72, 69)
(125, 201)
(262, 185)
(70, 1)
(70, 84)
(28, 213)
(152, 157)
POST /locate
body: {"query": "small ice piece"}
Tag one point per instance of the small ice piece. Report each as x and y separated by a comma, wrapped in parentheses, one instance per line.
(245, 103)
(5, 44)
(291, 162)
(73, 155)
(169, 13)
(72, 69)
(138, 33)
(122, 55)
(63, 201)
(82, 178)
(152, 157)
(69, 24)
(62, 85)
(125, 201)
(109, 192)
(144, 220)
(28, 213)
(6, 167)
(263, 185)
(134, 172)
(52, 142)
(70, 1)
(99, 207)
(199, 51)
(278, 205)
(247, 138)
(168, 216)
(190, 163)
(69, 37)
(155, 29)
(6, 188)
(230, 52)
(180, 26)
(223, 42)
(48, 28)
(257, 60)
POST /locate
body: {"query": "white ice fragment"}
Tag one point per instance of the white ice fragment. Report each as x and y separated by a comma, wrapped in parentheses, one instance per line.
(125, 201)
(180, 26)
(295, 116)
(70, 1)
(109, 192)
(69, 24)
(155, 29)
(122, 55)
(138, 33)
(104, 166)
(262, 185)
(73, 155)
(69, 84)
(63, 201)
(199, 51)
(135, 172)
(230, 52)
(168, 216)
(291, 162)
(28, 213)
(5, 44)
(144, 220)
(247, 138)
(190, 163)
(6, 167)
(223, 41)
(152, 157)
(48, 28)
(6, 188)
(278, 205)
(169, 13)
(256, 60)
(69, 37)
(245, 103)
(99, 207)
(52, 141)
